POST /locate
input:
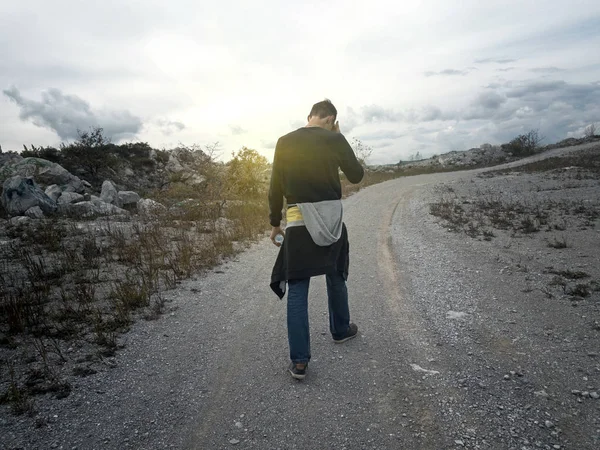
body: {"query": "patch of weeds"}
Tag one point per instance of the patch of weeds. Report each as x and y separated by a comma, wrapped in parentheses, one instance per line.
(560, 225)
(83, 371)
(579, 290)
(529, 225)
(570, 274)
(472, 229)
(16, 396)
(156, 309)
(451, 211)
(488, 235)
(558, 281)
(558, 242)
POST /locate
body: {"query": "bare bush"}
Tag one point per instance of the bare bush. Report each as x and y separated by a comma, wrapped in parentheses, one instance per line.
(590, 130)
(525, 144)
(362, 151)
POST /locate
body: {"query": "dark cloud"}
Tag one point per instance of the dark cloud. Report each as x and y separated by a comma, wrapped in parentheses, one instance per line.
(446, 72)
(547, 69)
(66, 114)
(490, 100)
(236, 130)
(556, 107)
(168, 127)
(534, 87)
(494, 60)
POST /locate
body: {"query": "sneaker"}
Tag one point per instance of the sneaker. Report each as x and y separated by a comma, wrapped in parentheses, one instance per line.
(351, 333)
(297, 372)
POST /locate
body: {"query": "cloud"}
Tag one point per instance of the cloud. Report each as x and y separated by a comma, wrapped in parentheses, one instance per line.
(268, 144)
(66, 114)
(494, 60)
(381, 135)
(376, 113)
(527, 88)
(168, 127)
(447, 72)
(236, 130)
(547, 70)
(505, 69)
(295, 124)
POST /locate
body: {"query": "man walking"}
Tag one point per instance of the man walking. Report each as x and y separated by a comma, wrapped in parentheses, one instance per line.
(306, 172)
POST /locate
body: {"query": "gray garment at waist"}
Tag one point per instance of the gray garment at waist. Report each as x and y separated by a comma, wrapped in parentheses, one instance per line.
(323, 220)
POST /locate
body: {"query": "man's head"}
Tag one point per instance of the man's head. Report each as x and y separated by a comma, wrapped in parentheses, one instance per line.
(323, 114)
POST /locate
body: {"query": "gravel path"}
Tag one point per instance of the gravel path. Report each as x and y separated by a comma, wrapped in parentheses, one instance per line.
(451, 353)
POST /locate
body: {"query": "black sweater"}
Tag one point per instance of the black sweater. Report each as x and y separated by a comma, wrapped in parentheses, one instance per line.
(306, 168)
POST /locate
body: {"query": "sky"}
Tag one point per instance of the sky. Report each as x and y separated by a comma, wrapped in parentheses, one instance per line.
(406, 77)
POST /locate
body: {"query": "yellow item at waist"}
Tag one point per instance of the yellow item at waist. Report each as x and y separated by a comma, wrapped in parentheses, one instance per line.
(293, 214)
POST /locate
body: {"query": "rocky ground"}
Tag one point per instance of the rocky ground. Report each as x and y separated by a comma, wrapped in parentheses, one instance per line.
(479, 328)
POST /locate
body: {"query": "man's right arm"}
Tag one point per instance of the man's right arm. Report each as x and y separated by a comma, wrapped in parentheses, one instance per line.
(276, 189)
(348, 163)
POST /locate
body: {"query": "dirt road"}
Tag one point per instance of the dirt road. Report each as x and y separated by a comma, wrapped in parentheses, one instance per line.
(451, 353)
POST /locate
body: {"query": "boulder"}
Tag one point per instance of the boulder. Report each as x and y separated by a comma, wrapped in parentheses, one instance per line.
(8, 159)
(196, 180)
(148, 207)
(69, 197)
(53, 191)
(173, 165)
(35, 212)
(45, 173)
(128, 198)
(224, 225)
(19, 220)
(21, 193)
(92, 209)
(109, 193)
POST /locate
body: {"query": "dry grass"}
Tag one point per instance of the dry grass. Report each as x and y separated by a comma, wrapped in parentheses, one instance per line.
(66, 284)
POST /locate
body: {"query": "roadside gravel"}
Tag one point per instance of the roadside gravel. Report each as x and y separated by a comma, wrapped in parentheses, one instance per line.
(454, 350)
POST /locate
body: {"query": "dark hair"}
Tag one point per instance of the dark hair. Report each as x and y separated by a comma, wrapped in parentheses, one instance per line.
(323, 109)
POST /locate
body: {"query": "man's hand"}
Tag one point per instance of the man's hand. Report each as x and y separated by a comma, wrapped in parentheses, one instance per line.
(336, 127)
(274, 232)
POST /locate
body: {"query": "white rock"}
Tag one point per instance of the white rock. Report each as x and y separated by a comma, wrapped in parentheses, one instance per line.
(109, 193)
(53, 191)
(19, 220)
(418, 368)
(147, 206)
(455, 315)
(67, 198)
(128, 198)
(35, 213)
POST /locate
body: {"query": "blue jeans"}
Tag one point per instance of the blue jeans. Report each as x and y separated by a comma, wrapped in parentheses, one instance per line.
(297, 314)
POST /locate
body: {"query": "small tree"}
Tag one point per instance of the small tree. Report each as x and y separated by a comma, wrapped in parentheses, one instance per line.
(363, 151)
(248, 174)
(590, 130)
(91, 151)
